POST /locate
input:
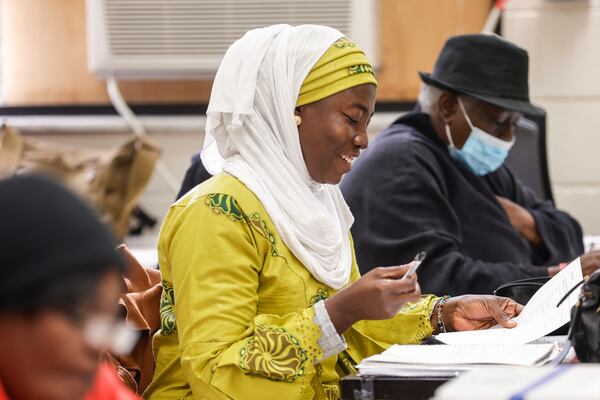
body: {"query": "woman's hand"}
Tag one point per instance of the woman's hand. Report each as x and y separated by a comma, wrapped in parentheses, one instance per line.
(379, 294)
(472, 312)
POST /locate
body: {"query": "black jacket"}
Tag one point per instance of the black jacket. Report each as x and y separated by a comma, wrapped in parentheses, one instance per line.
(408, 195)
(195, 175)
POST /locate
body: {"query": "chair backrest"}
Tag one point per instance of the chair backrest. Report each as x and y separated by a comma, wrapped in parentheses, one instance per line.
(527, 159)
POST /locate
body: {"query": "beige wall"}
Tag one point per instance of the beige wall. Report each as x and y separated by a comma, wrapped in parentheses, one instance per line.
(45, 55)
(45, 63)
(562, 40)
(45, 60)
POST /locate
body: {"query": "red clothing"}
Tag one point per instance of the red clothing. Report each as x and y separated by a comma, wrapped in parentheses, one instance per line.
(107, 386)
(3, 395)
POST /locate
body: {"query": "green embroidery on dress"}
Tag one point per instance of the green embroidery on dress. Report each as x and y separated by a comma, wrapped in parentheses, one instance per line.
(226, 205)
(410, 306)
(274, 354)
(258, 223)
(168, 324)
(343, 43)
(322, 294)
(360, 69)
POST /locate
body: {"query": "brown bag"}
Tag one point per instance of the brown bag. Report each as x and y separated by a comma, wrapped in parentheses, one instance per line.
(141, 305)
(112, 180)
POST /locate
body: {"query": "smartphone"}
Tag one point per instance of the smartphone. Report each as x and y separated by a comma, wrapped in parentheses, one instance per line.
(416, 262)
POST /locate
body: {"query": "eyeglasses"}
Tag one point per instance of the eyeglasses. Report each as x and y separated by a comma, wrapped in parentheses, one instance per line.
(105, 332)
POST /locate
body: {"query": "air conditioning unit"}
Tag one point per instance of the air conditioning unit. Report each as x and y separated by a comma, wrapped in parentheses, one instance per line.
(187, 38)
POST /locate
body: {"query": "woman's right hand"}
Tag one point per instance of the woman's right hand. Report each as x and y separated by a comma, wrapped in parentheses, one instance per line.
(378, 294)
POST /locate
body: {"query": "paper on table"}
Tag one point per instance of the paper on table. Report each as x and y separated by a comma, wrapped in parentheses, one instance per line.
(449, 361)
(380, 369)
(526, 355)
(579, 381)
(539, 317)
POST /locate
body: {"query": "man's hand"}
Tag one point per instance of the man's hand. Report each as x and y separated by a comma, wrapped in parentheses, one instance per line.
(521, 220)
(590, 262)
(473, 312)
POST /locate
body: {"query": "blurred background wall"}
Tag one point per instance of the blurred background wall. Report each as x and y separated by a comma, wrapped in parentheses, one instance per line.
(562, 38)
(45, 59)
(44, 63)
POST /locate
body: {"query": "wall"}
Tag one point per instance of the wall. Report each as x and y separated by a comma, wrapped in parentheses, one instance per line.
(45, 63)
(562, 40)
(411, 35)
(45, 55)
(45, 60)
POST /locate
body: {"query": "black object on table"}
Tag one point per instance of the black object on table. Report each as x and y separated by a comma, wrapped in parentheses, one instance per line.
(355, 387)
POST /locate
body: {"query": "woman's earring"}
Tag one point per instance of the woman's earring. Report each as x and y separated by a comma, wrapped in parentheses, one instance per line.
(298, 120)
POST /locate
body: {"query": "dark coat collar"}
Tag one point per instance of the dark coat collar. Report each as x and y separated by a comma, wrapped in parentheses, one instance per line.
(421, 123)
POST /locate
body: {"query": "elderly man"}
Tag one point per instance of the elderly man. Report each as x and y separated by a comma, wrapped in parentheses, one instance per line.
(435, 181)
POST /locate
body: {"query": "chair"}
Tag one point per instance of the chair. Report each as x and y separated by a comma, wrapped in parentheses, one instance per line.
(527, 159)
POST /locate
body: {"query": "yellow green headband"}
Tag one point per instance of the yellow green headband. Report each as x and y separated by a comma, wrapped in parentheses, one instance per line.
(344, 65)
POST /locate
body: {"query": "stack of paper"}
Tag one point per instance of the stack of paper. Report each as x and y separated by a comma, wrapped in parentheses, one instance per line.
(441, 360)
(496, 346)
(572, 382)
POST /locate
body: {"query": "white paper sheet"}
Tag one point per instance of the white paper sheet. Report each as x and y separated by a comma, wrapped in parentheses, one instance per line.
(539, 317)
(568, 382)
(525, 355)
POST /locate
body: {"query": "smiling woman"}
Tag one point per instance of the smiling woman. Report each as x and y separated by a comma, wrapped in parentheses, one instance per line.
(333, 131)
(263, 291)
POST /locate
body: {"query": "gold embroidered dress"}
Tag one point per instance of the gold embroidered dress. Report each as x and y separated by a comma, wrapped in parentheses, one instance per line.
(237, 307)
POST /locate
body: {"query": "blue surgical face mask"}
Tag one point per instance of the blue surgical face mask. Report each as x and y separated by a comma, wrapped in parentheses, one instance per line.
(482, 152)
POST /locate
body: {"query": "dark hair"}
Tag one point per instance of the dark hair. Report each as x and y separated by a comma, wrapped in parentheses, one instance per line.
(71, 295)
(53, 248)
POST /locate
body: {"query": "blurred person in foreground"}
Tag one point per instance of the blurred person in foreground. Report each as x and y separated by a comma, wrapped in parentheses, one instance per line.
(61, 281)
(262, 296)
(435, 181)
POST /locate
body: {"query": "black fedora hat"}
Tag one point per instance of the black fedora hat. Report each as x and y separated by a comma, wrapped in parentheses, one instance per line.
(487, 68)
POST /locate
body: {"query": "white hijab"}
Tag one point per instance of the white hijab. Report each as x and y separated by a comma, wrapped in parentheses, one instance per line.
(251, 134)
